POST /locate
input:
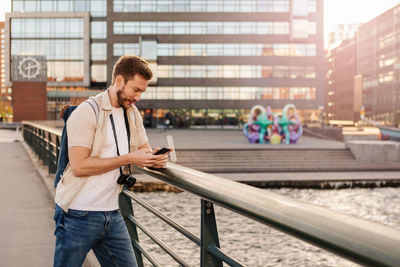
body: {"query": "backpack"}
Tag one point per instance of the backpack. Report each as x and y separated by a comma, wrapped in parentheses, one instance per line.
(63, 159)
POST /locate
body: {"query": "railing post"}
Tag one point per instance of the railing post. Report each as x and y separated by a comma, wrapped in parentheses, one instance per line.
(34, 141)
(51, 155)
(58, 142)
(37, 143)
(125, 204)
(209, 235)
(41, 147)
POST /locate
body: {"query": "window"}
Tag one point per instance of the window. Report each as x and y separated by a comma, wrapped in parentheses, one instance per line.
(99, 29)
(18, 6)
(120, 49)
(148, 50)
(300, 8)
(30, 6)
(47, 27)
(300, 28)
(312, 6)
(81, 6)
(46, 6)
(228, 49)
(99, 73)
(235, 71)
(99, 51)
(210, 6)
(177, 27)
(98, 8)
(64, 6)
(64, 71)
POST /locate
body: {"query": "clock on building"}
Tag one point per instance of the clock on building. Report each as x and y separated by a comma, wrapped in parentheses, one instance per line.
(29, 68)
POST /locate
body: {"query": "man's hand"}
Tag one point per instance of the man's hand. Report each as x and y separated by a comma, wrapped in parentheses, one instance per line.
(145, 158)
(163, 162)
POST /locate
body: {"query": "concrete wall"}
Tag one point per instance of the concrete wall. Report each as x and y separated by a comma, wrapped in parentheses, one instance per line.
(375, 151)
(332, 133)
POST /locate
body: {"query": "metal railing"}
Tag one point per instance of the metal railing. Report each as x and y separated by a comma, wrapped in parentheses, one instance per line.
(358, 240)
(44, 141)
(10, 125)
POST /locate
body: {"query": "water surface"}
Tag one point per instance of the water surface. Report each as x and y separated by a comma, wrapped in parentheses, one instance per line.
(253, 243)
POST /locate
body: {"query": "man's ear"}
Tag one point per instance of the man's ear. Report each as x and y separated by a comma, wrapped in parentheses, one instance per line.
(119, 81)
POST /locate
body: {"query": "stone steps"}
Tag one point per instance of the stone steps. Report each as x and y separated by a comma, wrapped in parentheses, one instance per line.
(269, 160)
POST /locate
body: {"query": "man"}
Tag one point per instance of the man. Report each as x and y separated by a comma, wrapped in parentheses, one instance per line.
(87, 215)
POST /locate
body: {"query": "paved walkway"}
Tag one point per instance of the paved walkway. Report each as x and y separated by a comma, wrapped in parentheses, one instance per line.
(26, 209)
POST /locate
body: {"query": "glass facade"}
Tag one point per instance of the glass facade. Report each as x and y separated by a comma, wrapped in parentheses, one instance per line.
(177, 49)
(59, 39)
(271, 49)
(229, 93)
(235, 71)
(97, 8)
(206, 6)
(377, 62)
(191, 27)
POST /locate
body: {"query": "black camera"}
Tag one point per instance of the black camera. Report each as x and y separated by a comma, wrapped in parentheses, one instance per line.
(126, 179)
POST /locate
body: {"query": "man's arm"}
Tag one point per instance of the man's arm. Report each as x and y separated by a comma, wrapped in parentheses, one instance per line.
(84, 165)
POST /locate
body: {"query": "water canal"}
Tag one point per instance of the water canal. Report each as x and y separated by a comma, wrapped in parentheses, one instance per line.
(255, 244)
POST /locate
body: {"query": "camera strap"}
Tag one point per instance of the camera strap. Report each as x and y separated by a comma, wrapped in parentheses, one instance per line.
(115, 135)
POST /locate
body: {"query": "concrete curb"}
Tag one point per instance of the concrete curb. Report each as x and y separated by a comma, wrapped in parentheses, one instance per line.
(91, 260)
(375, 151)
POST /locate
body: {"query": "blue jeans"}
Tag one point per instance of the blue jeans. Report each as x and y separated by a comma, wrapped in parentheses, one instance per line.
(79, 231)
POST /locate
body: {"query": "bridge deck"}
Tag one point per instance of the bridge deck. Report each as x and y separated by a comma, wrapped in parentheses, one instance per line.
(26, 209)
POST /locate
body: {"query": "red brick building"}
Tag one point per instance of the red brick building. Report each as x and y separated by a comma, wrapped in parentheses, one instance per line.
(5, 92)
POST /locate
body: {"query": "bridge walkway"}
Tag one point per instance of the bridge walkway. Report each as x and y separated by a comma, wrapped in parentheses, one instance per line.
(26, 209)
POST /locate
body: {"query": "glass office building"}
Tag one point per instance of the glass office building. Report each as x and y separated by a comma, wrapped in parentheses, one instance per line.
(378, 65)
(213, 60)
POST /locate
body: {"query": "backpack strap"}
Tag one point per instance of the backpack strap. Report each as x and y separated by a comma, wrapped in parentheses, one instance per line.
(94, 106)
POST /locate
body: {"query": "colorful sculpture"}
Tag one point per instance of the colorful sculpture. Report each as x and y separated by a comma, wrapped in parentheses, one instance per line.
(265, 127)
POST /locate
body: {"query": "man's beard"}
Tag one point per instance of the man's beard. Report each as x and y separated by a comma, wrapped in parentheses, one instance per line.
(121, 99)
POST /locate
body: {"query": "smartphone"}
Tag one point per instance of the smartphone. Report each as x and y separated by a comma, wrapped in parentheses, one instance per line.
(162, 151)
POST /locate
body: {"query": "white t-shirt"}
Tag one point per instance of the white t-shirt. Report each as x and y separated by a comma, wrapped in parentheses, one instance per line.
(100, 192)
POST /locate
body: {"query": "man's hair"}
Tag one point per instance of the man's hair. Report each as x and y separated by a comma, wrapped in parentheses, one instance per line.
(130, 65)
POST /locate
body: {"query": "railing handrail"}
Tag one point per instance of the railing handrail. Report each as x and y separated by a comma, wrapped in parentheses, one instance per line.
(353, 238)
(43, 127)
(359, 240)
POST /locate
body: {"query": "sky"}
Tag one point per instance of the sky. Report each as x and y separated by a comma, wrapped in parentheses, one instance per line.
(335, 11)
(353, 11)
